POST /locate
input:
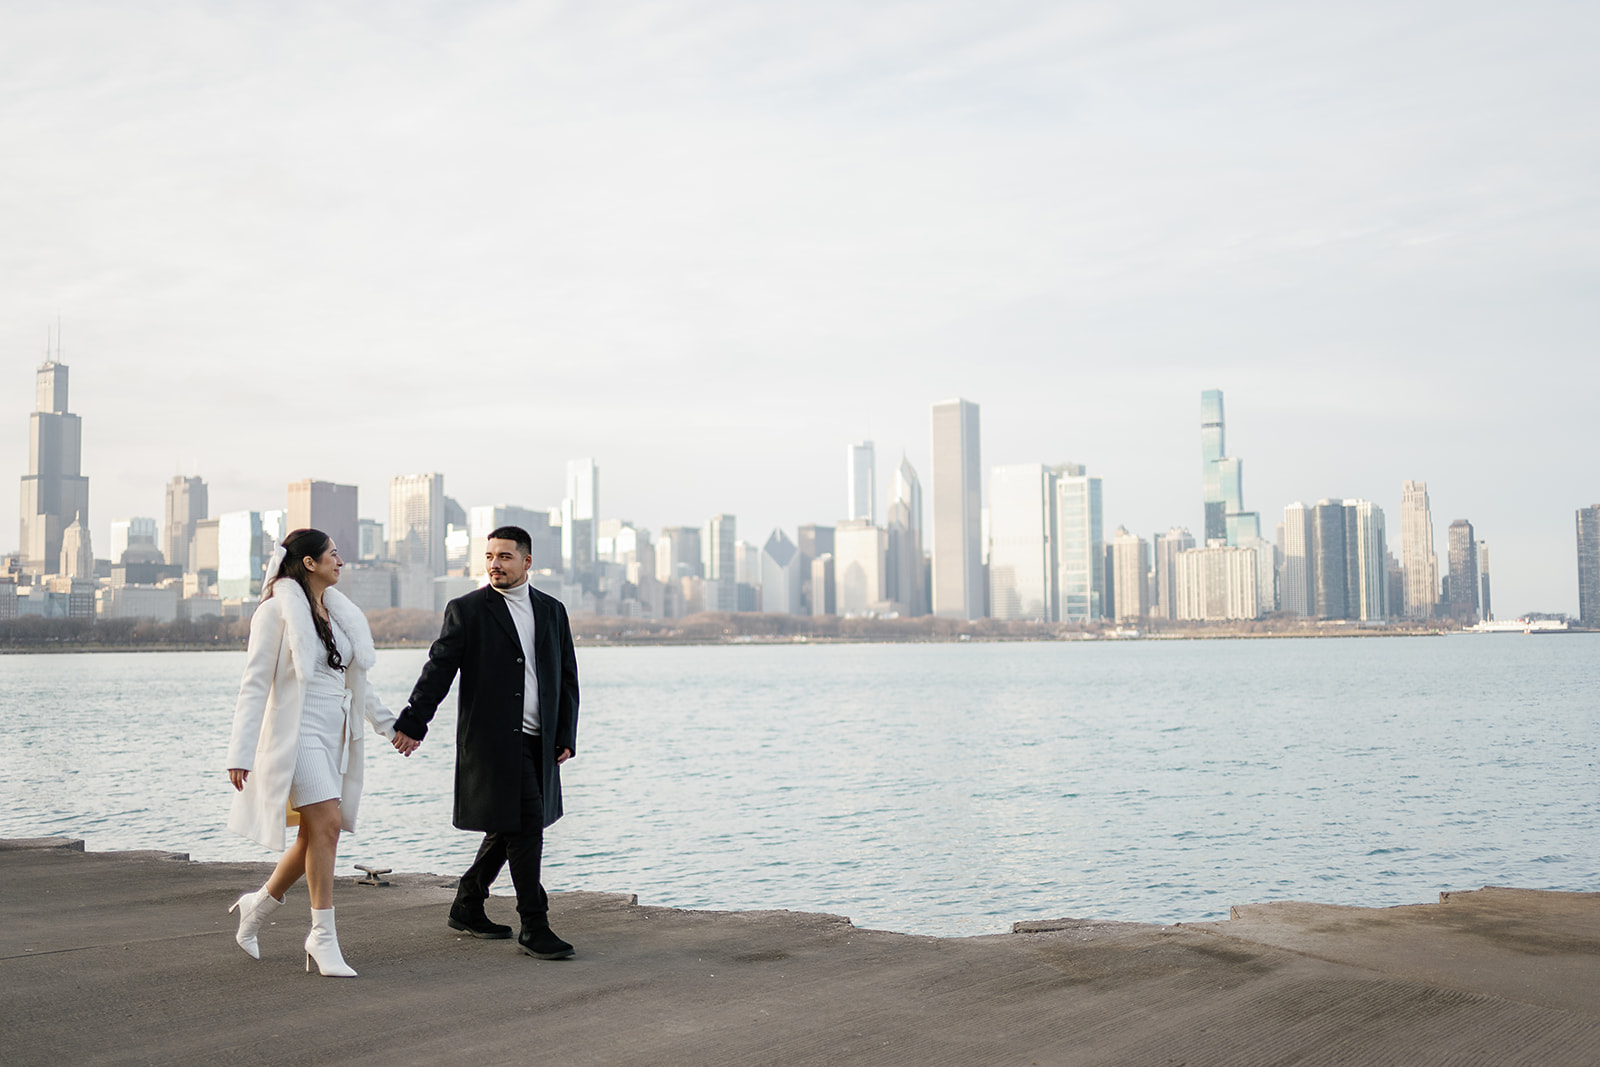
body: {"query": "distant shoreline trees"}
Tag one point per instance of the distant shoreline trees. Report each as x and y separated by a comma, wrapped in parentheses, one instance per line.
(409, 628)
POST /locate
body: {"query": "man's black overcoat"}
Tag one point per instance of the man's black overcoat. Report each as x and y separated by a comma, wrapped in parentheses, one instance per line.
(480, 640)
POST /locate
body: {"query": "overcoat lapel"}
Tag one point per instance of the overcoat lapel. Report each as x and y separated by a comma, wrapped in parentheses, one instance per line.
(501, 614)
(543, 630)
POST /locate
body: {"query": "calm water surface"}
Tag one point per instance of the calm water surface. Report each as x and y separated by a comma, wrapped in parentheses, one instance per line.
(942, 789)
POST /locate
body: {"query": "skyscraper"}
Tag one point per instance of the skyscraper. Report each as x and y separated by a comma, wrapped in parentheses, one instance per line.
(1167, 546)
(580, 516)
(904, 563)
(1328, 570)
(1463, 573)
(815, 542)
(1216, 583)
(861, 482)
(1080, 546)
(242, 551)
(780, 575)
(1130, 557)
(186, 506)
(1589, 565)
(54, 491)
(858, 558)
(1022, 557)
(327, 507)
(678, 553)
(1417, 556)
(957, 511)
(1222, 479)
(1294, 578)
(77, 552)
(720, 561)
(126, 533)
(1213, 446)
(1335, 562)
(1366, 562)
(1483, 580)
(416, 525)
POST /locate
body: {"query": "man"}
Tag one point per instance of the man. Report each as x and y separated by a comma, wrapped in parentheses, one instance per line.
(516, 723)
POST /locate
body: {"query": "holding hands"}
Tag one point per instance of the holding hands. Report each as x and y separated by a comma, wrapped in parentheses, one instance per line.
(405, 745)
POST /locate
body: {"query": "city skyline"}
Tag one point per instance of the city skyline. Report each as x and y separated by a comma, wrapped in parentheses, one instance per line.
(609, 234)
(1298, 594)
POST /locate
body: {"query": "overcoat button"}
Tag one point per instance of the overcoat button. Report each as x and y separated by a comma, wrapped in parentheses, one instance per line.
(519, 659)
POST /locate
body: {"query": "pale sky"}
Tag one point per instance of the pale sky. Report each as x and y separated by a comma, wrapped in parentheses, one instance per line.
(711, 244)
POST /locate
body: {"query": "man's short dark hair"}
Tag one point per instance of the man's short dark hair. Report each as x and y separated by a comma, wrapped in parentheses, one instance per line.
(514, 533)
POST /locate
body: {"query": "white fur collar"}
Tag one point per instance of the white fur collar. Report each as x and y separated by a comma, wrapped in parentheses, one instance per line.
(305, 646)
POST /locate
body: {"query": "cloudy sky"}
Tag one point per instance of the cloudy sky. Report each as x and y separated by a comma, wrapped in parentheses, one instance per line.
(711, 243)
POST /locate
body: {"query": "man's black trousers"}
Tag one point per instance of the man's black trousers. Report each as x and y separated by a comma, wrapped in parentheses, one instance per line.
(523, 848)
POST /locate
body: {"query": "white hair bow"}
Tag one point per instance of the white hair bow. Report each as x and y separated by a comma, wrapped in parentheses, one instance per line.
(274, 565)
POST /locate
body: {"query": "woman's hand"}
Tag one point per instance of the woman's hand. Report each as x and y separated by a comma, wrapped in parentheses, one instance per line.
(237, 776)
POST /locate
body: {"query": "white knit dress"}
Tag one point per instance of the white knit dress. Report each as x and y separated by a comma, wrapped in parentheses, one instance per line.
(324, 748)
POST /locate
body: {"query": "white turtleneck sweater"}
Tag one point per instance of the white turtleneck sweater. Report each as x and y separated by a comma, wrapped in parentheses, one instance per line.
(520, 604)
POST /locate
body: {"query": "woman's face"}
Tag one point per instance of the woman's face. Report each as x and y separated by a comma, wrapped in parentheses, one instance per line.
(324, 569)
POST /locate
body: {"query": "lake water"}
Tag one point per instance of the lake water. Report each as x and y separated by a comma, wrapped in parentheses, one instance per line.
(942, 789)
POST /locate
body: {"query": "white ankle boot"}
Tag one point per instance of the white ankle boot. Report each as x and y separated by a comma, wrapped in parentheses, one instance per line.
(253, 909)
(322, 945)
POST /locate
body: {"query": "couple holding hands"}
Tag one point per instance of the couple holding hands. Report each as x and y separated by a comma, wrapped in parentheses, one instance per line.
(296, 745)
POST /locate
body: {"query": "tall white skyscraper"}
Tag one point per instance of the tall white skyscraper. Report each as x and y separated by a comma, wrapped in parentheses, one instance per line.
(1130, 556)
(77, 552)
(241, 562)
(780, 575)
(1167, 546)
(861, 482)
(416, 526)
(858, 558)
(1213, 447)
(957, 511)
(1367, 568)
(719, 557)
(1215, 583)
(1418, 557)
(580, 517)
(1294, 579)
(1022, 558)
(904, 578)
(1080, 546)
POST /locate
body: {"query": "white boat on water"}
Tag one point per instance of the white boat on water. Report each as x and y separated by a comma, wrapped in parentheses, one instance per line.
(1519, 626)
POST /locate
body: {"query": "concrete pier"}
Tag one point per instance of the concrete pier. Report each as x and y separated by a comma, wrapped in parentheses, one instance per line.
(128, 958)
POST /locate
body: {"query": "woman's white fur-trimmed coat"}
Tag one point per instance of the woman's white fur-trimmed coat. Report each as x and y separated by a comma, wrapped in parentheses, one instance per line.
(283, 649)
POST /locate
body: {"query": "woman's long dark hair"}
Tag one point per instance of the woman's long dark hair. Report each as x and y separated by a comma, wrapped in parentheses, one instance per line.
(296, 547)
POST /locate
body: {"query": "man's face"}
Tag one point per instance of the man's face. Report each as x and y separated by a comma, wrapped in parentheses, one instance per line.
(508, 566)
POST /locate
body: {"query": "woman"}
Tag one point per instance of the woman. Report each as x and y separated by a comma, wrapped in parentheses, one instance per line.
(296, 735)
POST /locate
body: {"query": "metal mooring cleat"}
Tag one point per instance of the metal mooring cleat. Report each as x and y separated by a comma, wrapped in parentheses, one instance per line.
(372, 875)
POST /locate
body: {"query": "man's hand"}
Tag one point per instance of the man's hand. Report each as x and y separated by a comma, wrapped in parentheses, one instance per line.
(405, 745)
(563, 754)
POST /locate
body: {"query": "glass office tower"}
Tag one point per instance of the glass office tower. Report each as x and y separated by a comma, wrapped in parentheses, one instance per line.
(1080, 547)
